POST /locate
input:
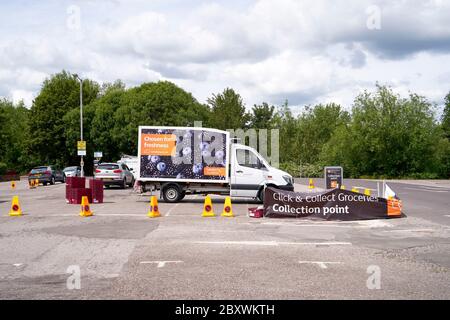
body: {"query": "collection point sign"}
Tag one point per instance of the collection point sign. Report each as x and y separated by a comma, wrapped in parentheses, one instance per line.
(333, 204)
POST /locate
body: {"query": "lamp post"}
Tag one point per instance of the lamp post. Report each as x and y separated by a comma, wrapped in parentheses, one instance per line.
(81, 119)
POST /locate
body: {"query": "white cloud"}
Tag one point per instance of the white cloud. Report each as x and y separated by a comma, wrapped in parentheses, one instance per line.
(303, 51)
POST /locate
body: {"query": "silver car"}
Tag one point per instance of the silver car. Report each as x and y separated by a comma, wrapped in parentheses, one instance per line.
(114, 174)
(72, 171)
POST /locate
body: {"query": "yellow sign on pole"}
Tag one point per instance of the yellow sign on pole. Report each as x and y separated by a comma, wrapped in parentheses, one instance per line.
(81, 147)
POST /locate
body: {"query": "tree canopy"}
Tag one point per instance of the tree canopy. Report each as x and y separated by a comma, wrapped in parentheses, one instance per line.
(381, 135)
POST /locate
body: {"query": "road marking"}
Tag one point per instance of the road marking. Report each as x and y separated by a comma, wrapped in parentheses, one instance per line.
(409, 230)
(365, 188)
(272, 243)
(324, 224)
(428, 190)
(160, 264)
(170, 210)
(321, 264)
(17, 264)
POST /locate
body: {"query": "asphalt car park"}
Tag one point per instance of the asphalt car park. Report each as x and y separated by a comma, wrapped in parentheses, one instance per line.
(121, 253)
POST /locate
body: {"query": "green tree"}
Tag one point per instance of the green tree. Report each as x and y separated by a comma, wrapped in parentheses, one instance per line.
(13, 135)
(228, 111)
(316, 125)
(446, 117)
(161, 104)
(388, 136)
(58, 96)
(262, 116)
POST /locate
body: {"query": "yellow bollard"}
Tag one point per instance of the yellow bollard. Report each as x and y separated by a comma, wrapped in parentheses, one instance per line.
(311, 184)
(227, 209)
(367, 192)
(85, 208)
(15, 207)
(207, 208)
(153, 212)
(355, 190)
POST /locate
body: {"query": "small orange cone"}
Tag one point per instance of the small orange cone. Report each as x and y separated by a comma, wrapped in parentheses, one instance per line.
(311, 184)
(227, 209)
(207, 208)
(13, 185)
(154, 209)
(36, 183)
(85, 207)
(31, 184)
(15, 207)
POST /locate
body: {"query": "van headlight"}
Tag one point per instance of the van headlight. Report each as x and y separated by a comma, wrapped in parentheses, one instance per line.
(288, 179)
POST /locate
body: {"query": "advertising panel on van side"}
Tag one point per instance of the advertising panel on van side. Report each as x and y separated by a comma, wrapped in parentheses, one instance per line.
(184, 154)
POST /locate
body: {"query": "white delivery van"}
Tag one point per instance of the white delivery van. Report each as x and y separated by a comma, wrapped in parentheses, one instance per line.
(186, 160)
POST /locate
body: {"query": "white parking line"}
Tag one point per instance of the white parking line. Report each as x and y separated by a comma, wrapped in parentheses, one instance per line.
(170, 210)
(160, 264)
(321, 264)
(365, 188)
(409, 230)
(428, 190)
(272, 243)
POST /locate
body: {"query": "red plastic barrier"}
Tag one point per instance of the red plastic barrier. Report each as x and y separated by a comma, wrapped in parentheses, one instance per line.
(96, 187)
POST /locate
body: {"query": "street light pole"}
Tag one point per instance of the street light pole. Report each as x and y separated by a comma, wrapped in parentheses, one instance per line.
(81, 120)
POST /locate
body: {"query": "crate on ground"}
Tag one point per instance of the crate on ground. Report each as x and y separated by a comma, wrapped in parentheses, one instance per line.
(256, 212)
(96, 187)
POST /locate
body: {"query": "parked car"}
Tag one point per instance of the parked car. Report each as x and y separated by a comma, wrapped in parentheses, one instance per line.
(72, 171)
(114, 174)
(47, 174)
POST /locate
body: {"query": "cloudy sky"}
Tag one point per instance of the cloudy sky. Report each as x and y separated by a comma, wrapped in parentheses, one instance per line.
(306, 51)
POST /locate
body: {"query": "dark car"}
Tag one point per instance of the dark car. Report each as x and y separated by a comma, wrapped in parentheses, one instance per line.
(47, 174)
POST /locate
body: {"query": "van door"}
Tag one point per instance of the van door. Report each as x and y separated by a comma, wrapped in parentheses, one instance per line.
(247, 175)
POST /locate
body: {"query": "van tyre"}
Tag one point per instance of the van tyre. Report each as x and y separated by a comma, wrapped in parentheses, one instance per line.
(261, 195)
(172, 193)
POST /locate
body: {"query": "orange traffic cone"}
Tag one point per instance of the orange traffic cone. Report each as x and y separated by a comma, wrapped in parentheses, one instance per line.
(15, 207)
(36, 183)
(13, 185)
(154, 209)
(31, 184)
(311, 184)
(207, 208)
(85, 207)
(227, 209)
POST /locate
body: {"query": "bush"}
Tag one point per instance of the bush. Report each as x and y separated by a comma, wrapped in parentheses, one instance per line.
(304, 170)
(3, 168)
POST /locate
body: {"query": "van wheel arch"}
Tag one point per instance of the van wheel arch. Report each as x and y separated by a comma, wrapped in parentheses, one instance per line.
(260, 195)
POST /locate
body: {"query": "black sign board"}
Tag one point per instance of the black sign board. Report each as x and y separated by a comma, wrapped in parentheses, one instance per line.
(333, 177)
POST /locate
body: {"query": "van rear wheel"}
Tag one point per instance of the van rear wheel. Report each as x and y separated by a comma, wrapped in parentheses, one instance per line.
(172, 193)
